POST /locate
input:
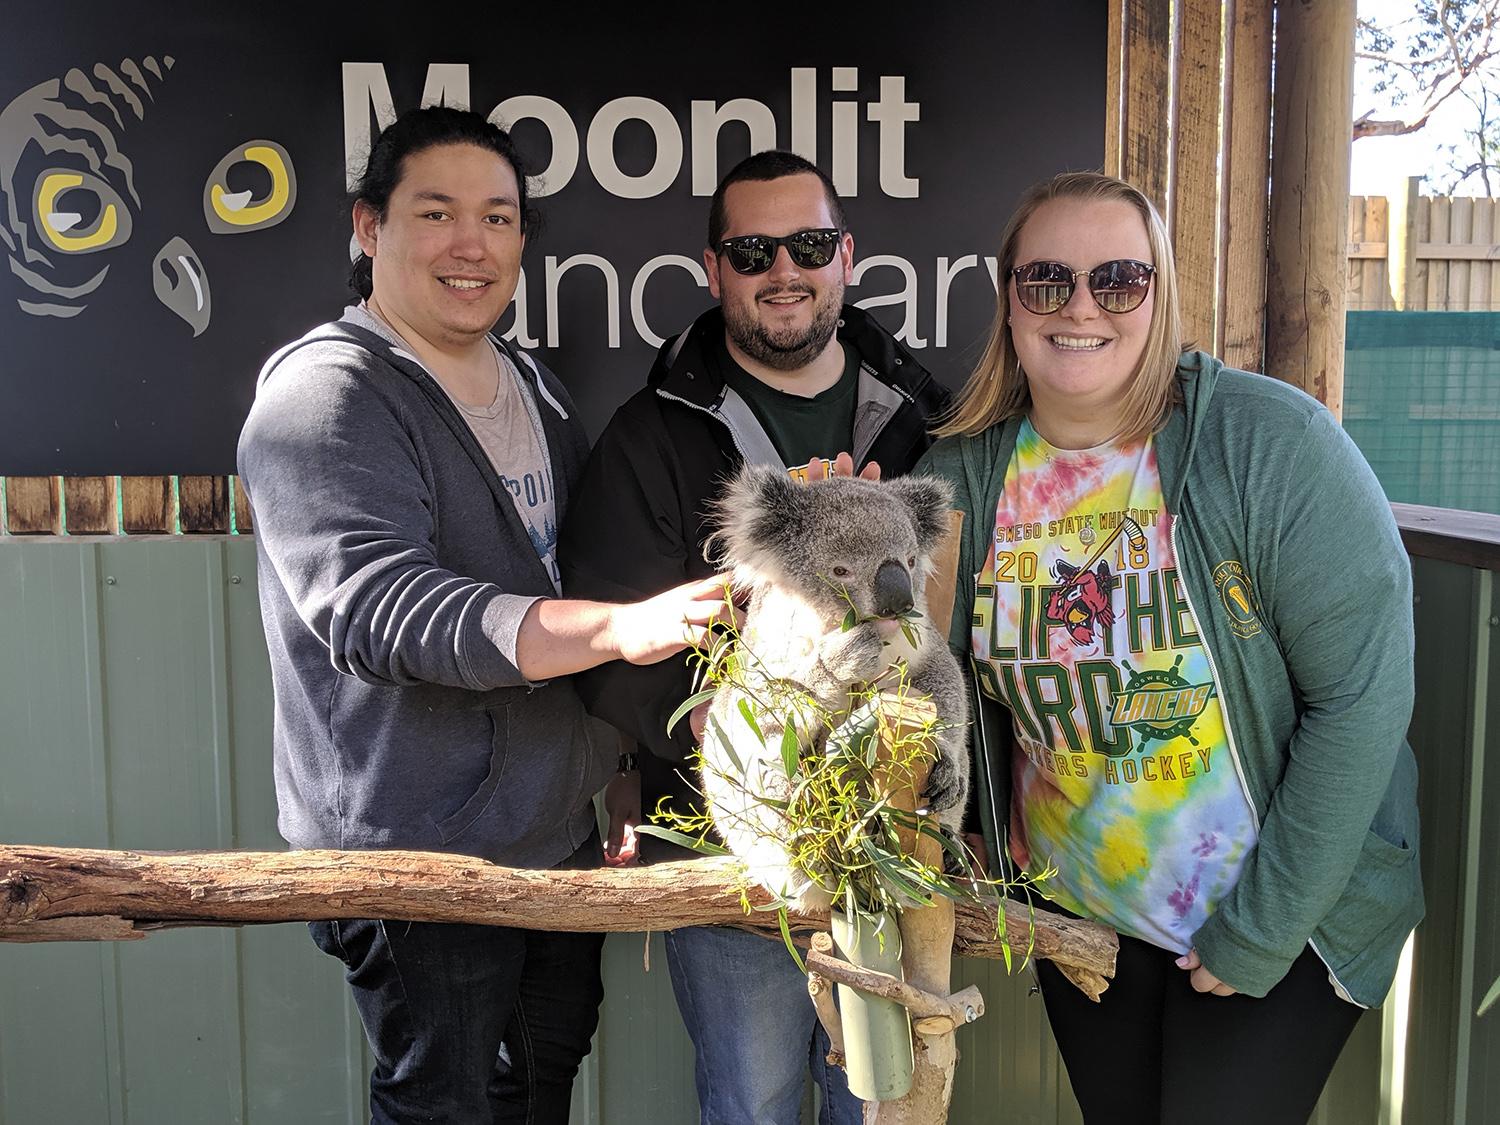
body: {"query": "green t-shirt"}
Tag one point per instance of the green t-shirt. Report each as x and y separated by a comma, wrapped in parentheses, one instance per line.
(802, 429)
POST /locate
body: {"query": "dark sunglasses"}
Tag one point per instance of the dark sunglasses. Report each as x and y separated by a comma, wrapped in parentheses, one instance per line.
(756, 253)
(1118, 287)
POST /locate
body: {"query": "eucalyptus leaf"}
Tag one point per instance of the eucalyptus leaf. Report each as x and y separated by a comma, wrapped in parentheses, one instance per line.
(1489, 998)
(687, 705)
(749, 716)
(696, 843)
(790, 748)
(851, 619)
(786, 936)
(724, 743)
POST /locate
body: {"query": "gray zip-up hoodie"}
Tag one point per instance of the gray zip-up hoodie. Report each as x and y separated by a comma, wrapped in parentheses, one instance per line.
(394, 573)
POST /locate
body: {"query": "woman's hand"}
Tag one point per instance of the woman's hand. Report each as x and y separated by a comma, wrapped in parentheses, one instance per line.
(1202, 980)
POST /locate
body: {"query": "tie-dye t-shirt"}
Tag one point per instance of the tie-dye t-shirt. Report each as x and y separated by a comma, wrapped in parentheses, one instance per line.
(1124, 780)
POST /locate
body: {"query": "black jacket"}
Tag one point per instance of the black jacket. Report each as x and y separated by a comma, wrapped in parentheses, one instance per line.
(639, 519)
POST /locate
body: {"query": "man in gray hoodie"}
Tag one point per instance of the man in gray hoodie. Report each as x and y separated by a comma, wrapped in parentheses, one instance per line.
(408, 471)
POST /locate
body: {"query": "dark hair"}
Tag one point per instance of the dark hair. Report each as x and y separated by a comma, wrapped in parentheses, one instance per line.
(415, 131)
(769, 165)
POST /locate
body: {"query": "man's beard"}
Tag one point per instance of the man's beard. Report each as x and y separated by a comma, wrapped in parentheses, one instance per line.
(791, 348)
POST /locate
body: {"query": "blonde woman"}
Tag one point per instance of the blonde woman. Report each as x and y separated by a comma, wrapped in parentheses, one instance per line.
(1188, 615)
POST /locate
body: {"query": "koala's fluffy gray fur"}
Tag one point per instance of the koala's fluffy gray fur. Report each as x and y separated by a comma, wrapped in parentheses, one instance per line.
(806, 551)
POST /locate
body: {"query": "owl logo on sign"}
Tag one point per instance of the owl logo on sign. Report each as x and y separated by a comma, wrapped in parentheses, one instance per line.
(71, 198)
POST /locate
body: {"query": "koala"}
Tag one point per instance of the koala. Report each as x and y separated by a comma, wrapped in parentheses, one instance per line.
(808, 553)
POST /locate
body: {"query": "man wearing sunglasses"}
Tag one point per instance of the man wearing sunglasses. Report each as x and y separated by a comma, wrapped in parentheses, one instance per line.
(783, 373)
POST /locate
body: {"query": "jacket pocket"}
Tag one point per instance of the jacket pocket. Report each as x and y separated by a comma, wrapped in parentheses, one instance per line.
(450, 828)
(1381, 903)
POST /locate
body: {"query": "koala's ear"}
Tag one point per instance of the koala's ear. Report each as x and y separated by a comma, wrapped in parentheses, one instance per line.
(759, 513)
(929, 500)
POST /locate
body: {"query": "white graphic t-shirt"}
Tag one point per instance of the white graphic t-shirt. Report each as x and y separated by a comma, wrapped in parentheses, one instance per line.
(1124, 781)
(510, 431)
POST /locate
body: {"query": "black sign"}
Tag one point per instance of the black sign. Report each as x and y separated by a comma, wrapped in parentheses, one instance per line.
(172, 182)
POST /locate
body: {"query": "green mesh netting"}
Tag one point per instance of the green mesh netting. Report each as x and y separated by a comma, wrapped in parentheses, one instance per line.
(1422, 401)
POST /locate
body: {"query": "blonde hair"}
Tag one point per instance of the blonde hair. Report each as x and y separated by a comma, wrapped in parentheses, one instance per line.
(997, 389)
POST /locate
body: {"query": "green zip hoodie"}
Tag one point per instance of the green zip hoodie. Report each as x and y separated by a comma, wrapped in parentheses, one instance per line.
(1301, 589)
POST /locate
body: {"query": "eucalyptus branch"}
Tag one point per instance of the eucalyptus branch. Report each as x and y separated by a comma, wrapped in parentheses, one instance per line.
(841, 830)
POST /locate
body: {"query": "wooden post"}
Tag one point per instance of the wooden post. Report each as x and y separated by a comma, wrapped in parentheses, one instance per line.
(148, 504)
(927, 933)
(203, 505)
(1244, 201)
(244, 517)
(90, 503)
(1401, 245)
(1146, 155)
(1197, 163)
(33, 506)
(1308, 277)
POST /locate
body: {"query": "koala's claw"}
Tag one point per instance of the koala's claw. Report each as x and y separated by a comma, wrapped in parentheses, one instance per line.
(945, 788)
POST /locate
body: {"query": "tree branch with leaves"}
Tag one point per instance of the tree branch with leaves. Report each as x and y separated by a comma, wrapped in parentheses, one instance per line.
(1441, 48)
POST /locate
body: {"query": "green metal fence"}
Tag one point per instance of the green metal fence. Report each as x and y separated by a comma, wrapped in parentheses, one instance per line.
(1422, 401)
(135, 712)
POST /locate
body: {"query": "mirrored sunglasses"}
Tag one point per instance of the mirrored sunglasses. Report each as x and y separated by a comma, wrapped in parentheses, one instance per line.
(1118, 287)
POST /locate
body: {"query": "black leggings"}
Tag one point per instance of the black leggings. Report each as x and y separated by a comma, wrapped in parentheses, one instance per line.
(1153, 1050)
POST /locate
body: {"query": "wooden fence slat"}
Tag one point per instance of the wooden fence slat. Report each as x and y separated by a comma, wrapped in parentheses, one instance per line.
(1494, 269)
(33, 505)
(1247, 143)
(203, 505)
(1480, 288)
(1460, 233)
(1195, 196)
(90, 503)
(1146, 159)
(1358, 208)
(146, 505)
(1377, 286)
(1437, 271)
(1420, 267)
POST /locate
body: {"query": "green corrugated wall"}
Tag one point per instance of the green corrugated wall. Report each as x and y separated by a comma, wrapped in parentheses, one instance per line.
(135, 712)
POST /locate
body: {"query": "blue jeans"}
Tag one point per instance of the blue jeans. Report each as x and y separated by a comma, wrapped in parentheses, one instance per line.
(471, 1024)
(753, 1028)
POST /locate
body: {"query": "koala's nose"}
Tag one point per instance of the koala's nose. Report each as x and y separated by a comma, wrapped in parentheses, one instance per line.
(892, 589)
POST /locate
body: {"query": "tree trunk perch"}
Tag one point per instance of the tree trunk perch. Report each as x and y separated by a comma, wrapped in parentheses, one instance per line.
(70, 894)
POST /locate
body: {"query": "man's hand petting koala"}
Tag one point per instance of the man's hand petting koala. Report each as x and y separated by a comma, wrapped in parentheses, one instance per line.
(843, 466)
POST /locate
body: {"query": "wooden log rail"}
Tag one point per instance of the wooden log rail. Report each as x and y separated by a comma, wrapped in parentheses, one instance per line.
(78, 894)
